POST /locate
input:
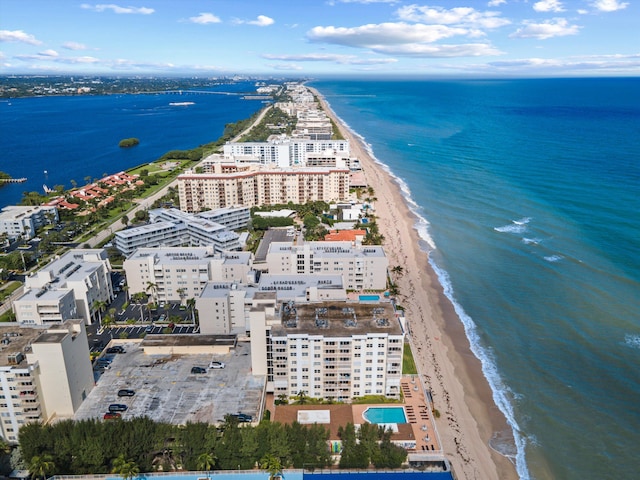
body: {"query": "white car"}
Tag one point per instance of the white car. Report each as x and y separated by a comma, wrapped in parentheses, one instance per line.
(215, 364)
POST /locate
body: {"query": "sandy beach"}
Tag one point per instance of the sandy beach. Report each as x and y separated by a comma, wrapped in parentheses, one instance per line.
(468, 415)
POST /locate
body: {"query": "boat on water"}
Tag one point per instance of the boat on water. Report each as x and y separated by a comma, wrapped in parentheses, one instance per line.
(181, 104)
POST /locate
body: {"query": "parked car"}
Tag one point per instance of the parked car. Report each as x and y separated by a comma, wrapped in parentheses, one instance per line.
(112, 415)
(117, 407)
(162, 318)
(198, 370)
(149, 328)
(126, 393)
(217, 365)
(242, 417)
(116, 349)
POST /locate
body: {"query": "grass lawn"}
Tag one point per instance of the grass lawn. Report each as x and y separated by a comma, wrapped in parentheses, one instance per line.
(408, 363)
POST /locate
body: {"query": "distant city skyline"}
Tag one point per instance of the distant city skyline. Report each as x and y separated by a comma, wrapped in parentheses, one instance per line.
(315, 37)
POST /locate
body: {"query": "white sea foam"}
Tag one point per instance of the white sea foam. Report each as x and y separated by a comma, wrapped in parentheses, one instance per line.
(511, 228)
(516, 226)
(531, 241)
(553, 258)
(503, 396)
(632, 341)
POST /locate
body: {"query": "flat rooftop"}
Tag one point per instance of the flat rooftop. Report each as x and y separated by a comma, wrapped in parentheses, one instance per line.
(167, 391)
(15, 339)
(337, 318)
(270, 236)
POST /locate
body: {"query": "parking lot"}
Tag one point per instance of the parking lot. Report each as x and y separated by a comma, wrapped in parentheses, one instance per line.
(167, 391)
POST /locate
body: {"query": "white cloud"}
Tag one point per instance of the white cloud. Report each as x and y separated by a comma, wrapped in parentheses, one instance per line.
(462, 16)
(548, 6)
(102, 7)
(262, 21)
(438, 51)
(558, 27)
(74, 46)
(610, 5)
(48, 53)
(367, 36)
(285, 66)
(496, 3)
(330, 57)
(18, 36)
(205, 18)
(582, 11)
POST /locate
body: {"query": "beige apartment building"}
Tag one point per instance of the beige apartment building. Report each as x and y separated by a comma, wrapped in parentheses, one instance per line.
(236, 184)
(45, 373)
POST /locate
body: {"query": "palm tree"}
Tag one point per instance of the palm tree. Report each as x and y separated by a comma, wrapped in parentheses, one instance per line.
(182, 292)
(41, 466)
(301, 397)
(273, 465)
(206, 461)
(98, 307)
(398, 270)
(191, 304)
(153, 289)
(126, 468)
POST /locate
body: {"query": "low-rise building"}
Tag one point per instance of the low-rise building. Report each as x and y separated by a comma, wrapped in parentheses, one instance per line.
(81, 274)
(171, 227)
(19, 221)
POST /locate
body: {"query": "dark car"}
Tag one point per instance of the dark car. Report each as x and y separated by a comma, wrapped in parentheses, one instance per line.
(117, 407)
(112, 415)
(242, 417)
(198, 370)
(116, 349)
(126, 393)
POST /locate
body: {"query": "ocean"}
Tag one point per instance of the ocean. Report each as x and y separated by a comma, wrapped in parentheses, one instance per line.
(528, 194)
(53, 140)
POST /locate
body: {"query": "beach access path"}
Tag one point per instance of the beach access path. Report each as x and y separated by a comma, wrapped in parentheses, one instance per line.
(468, 415)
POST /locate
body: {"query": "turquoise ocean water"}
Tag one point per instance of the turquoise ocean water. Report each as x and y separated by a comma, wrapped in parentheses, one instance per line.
(528, 193)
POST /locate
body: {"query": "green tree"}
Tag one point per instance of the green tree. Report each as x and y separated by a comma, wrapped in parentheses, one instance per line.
(272, 464)
(41, 465)
(206, 461)
(127, 469)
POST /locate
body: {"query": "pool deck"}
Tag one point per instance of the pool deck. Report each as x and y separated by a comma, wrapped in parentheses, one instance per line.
(420, 427)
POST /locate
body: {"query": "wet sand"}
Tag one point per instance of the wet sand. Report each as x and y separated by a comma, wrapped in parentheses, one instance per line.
(468, 415)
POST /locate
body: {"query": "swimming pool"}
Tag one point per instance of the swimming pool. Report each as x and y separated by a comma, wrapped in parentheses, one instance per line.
(369, 298)
(381, 415)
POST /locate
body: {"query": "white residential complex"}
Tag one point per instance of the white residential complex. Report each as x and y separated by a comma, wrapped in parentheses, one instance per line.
(331, 350)
(172, 227)
(23, 221)
(182, 273)
(363, 267)
(284, 151)
(45, 373)
(235, 184)
(69, 287)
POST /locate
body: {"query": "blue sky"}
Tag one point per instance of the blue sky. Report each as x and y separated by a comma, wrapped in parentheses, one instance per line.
(315, 37)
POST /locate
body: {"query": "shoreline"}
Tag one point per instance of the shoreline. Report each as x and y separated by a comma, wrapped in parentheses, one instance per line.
(469, 417)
